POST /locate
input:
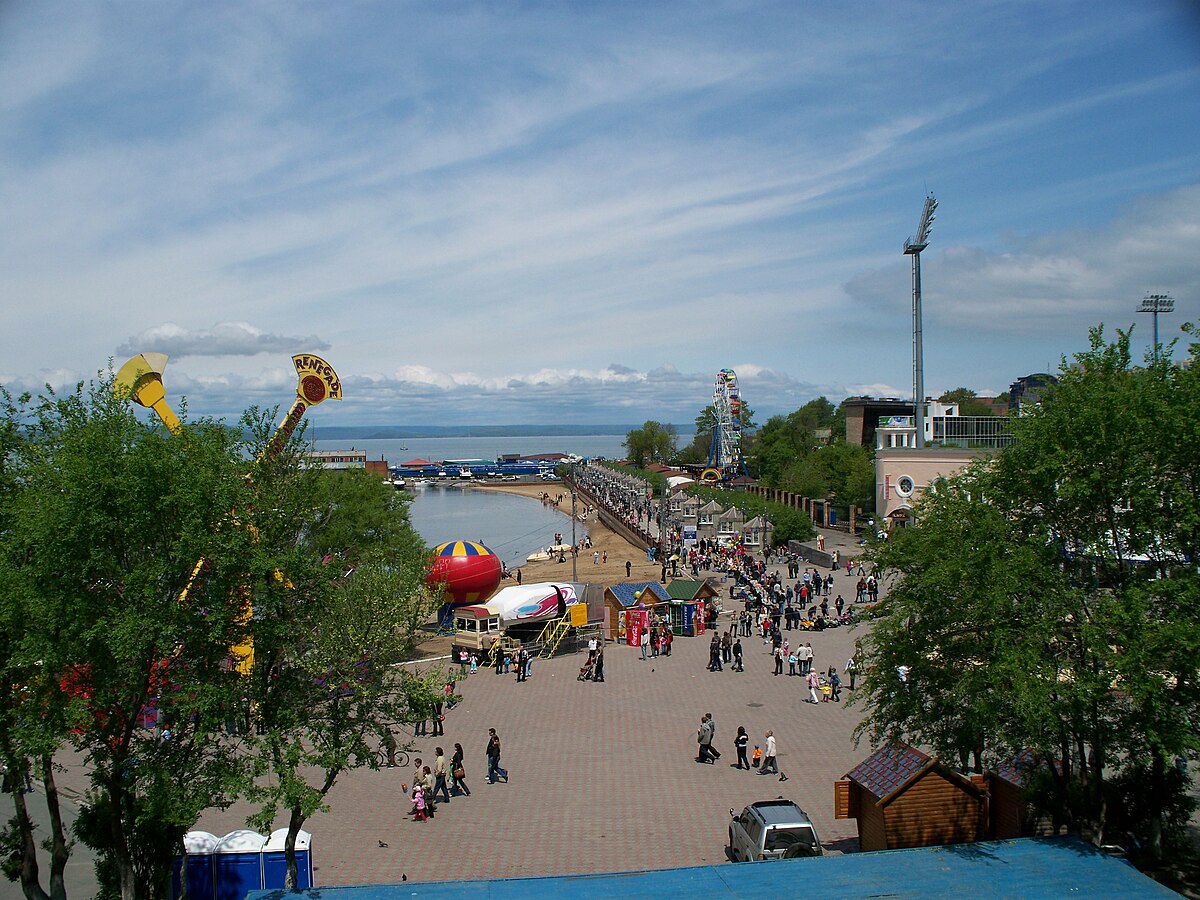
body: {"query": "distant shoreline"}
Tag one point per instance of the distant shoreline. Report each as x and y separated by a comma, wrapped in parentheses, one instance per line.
(605, 542)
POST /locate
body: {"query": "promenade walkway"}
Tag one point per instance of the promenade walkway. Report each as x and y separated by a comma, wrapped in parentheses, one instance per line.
(603, 775)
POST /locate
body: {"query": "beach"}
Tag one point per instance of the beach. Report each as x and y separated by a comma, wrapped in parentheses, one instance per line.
(604, 540)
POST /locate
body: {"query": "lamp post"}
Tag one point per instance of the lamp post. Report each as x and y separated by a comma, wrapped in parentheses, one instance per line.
(574, 554)
(1156, 303)
(913, 248)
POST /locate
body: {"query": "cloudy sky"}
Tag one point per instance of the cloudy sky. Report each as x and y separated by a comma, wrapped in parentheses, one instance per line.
(556, 212)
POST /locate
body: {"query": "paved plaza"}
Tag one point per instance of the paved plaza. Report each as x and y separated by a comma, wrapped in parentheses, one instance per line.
(603, 776)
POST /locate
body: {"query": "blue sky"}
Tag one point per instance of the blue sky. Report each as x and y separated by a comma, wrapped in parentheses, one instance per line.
(552, 213)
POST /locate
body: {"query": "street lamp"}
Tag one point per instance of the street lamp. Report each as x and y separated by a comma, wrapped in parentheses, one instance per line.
(574, 545)
(1156, 303)
(913, 248)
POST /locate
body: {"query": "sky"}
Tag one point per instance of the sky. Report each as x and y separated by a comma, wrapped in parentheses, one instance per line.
(578, 212)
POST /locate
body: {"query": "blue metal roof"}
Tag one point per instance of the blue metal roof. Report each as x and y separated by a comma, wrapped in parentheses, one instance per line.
(1031, 868)
(625, 592)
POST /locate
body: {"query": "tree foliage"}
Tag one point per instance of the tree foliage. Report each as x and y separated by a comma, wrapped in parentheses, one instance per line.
(135, 564)
(330, 625)
(844, 471)
(113, 516)
(968, 405)
(1049, 597)
(654, 442)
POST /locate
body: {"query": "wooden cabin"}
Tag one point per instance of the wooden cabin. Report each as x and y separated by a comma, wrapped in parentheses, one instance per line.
(904, 798)
(1010, 815)
(627, 595)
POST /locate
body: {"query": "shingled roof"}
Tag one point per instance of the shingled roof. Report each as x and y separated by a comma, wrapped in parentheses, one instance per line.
(625, 593)
(686, 588)
(1018, 770)
(889, 768)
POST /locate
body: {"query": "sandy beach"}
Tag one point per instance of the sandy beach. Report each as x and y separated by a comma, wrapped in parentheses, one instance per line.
(604, 540)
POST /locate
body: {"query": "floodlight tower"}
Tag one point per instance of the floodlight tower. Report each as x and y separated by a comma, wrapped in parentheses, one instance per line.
(1156, 303)
(913, 248)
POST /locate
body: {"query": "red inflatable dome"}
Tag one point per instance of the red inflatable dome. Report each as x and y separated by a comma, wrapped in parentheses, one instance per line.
(468, 571)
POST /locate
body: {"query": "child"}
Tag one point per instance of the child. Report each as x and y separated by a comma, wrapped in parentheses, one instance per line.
(474, 663)
(756, 757)
(419, 802)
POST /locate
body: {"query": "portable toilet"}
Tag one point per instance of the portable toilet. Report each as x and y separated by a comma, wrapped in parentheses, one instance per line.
(197, 864)
(237, 864)
(275, 860)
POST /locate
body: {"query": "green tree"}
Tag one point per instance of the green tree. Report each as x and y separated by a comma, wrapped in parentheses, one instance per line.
(1047, 598)
(114, 514)
(329, 633)
(845, 471)
(653, 442)
(968, 405)
(778, 444)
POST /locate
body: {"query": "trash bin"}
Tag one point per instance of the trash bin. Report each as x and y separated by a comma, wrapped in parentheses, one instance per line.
(275, 860)
(196, 866)
(237, 865)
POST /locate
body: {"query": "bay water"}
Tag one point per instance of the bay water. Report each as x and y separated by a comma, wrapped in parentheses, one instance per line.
(509, 525)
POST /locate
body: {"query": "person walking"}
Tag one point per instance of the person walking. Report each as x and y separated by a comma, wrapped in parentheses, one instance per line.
(739, 744)
(712, 729)
(458, 772)
(628, 569)
(704, 741)
(439, 776)
(598, 664)
(418, 796)
(738, 664)
(495, 772)
(522, 660)
(644, 642)
(704, 737)
(814, 684)
(768, 763)
(835, 685)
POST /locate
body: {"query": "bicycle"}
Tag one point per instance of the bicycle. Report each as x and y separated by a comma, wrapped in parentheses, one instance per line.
(380, 757)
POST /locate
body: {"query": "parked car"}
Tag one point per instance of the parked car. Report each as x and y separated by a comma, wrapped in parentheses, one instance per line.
(772, 829)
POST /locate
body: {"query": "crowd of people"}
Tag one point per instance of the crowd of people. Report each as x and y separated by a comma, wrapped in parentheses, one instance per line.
(439, 781)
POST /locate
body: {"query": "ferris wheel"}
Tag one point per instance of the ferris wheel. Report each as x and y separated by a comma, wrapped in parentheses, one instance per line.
(725, 455)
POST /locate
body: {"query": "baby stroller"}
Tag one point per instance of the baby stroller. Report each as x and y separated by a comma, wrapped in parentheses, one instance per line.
(588, 670)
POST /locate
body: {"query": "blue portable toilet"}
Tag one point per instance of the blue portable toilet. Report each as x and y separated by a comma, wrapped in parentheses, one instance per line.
(275, 859)
(197, 866)
(237, 864)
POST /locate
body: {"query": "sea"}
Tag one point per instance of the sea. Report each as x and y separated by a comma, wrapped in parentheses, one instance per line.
(509, 525)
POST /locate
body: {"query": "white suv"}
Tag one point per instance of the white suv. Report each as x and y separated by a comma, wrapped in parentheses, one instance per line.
(772, 829)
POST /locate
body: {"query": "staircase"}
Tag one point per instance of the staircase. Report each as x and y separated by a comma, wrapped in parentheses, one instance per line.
(552, 635)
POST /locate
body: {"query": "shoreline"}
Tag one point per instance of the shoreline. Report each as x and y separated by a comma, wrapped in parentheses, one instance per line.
(604, 541)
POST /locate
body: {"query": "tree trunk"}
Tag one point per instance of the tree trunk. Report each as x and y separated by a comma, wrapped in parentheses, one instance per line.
(126, 877)
(59, 851)
(1158, 793)
(31, 882)
(295, 822)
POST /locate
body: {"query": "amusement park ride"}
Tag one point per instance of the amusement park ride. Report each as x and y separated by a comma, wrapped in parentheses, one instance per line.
(140, 380)
(725, 460)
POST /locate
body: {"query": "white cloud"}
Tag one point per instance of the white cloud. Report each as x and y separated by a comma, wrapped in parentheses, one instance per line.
(223, 339)
(1057, 280)
(562, 212)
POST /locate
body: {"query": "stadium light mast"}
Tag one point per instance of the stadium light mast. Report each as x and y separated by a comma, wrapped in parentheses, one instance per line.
(913, 248)
(1156, 303)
